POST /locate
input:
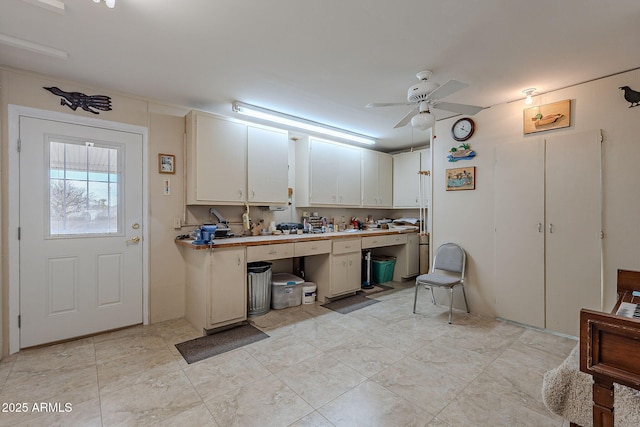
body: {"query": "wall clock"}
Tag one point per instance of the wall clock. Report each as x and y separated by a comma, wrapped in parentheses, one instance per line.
(462, 129)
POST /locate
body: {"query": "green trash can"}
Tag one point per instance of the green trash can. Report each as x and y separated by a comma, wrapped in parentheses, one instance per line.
(382, 268)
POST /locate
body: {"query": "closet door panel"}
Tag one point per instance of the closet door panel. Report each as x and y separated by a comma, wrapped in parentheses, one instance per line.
(519, 232)
(574, 223)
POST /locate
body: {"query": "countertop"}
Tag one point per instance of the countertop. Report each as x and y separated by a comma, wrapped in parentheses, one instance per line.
(292, 238)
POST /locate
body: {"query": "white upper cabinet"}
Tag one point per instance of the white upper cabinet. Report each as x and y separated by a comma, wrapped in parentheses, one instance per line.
(267, 166)
(377, 179)
(232, 163)
(406, 181)
(327, 173)
(216, 160)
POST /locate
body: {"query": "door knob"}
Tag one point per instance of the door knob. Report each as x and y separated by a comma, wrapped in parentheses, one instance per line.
(134, 239)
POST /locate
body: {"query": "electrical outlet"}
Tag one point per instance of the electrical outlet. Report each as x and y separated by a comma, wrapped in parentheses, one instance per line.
(177, 223)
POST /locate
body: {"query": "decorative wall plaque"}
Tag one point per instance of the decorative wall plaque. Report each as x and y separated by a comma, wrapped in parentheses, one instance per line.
(74, 100)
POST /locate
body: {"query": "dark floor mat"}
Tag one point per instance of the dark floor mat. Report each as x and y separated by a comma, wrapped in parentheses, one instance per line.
(221, 342)
(349, 304)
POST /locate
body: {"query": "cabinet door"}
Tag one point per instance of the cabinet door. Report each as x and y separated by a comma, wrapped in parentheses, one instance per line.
(406, 183)
(377, 179)
(385, 180)
(228, 297)
(220, 160)
(369, 178)
(267, 166)
(345, 273)
(349, 165)
(519, 232)
(324, 173)
(354, 271)
(573, 239)
(413, 255)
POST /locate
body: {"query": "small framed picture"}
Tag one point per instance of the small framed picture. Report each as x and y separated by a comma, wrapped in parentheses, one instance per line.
(461, 179)
(166, 163)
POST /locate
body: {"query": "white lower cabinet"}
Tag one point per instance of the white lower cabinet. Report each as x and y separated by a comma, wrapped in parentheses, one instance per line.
(216, 287)
(346, 267)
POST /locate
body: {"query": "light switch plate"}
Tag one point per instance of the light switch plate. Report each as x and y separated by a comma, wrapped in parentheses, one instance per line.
(177, 223)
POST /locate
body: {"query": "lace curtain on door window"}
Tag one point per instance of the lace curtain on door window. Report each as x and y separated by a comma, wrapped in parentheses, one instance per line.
(83, 189)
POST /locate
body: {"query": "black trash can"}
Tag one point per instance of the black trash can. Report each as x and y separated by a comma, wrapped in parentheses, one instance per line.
(259, 288)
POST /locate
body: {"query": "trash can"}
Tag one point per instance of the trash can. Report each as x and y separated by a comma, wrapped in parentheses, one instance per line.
(382, 268)
(259, 288)
(286, 291)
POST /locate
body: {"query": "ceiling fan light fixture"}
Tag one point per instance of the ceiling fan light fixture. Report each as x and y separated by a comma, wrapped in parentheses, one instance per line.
(529, 95)
(423, 120)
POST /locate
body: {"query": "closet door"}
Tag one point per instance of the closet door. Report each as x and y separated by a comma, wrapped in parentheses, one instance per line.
(573, 229)
(519, 232)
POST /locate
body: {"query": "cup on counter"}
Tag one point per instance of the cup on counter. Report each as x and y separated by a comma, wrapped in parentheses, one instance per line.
(285, 231)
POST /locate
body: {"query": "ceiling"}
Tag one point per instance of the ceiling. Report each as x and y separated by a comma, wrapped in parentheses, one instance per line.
(325, 60)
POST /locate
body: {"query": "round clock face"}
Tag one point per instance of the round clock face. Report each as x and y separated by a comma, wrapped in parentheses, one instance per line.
(462, 129)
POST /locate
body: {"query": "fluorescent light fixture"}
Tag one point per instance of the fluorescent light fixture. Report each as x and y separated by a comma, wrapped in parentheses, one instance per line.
(298, 123)
(528, 92)
(33, 47)
(54, 5)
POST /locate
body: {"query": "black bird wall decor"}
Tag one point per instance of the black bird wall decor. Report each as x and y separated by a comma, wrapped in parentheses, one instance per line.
(631, 95)
(74, 100)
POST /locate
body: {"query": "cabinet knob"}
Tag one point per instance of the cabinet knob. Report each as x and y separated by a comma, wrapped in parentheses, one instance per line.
(550, 228)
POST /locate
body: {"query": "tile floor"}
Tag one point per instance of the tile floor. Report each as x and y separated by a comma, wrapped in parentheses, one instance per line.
(378, 366)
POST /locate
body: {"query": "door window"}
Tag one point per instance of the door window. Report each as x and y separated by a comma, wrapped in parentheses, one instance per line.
(84, 196)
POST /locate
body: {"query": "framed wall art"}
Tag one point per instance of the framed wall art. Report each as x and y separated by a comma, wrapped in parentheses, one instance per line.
(166, 163)
(546, 117)
(461, 178)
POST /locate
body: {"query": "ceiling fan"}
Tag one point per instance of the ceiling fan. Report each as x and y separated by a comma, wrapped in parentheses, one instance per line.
(426, 95)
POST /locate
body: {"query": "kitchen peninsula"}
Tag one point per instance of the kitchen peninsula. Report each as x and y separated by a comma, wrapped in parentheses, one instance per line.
(216, 275)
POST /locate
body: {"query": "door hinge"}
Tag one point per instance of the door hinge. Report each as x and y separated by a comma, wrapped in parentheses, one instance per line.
(19, 321)
(601, 234)
(19, 232)
(19, 145)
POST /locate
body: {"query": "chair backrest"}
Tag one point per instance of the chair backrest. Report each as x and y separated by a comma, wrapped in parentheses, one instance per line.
(450, 257)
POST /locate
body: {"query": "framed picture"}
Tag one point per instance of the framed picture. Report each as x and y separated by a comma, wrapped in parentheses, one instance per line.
(547, 117)
(166, 163)
(461, 178)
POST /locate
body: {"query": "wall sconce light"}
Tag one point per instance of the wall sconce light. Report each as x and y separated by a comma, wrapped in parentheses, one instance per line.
(528, 93)
(298, 123)
(110, 3)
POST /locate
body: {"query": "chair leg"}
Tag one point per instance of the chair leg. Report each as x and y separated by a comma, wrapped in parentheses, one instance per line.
(433, 297)
(464, 294)
(450, 303)
(415, 298)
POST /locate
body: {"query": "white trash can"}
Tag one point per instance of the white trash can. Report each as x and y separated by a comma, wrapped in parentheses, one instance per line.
(308, 293)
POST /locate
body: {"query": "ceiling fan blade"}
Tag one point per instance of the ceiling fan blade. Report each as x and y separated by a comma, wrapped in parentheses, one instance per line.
(469, 110)
(406, 119)
(385, 104)
(447, 89)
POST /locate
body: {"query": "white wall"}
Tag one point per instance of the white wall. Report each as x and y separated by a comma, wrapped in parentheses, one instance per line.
(466, 217)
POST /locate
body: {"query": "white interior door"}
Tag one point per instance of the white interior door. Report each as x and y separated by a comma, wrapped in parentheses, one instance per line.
(81, 212)
(574, 223)
(519, 231)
